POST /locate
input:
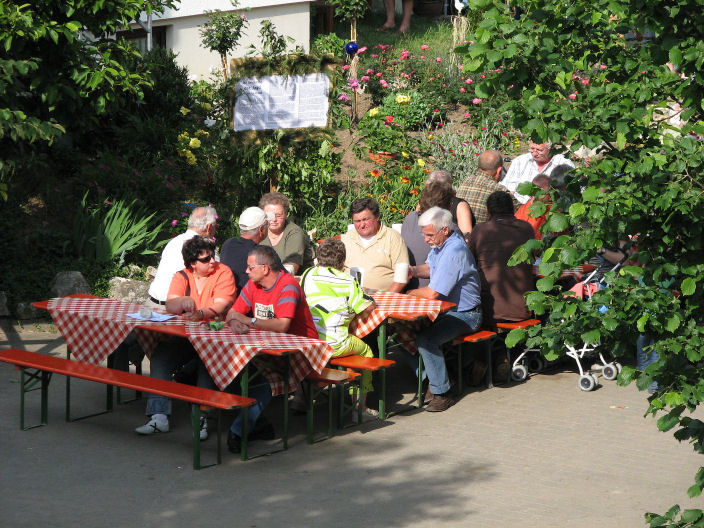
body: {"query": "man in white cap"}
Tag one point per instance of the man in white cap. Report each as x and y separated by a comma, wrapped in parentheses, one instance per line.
(254, 227)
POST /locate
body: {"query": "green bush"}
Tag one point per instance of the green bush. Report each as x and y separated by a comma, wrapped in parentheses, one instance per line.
(107, 235)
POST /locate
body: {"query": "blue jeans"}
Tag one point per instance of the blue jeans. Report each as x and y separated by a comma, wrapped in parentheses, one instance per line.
(446, 327)
(169, 356)
(645, 358)
(260, 393)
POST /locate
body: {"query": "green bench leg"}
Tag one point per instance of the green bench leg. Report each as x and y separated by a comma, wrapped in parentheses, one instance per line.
(195, 423)
(28, 383)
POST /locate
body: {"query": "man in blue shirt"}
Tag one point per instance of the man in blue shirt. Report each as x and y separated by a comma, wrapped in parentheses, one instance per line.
(453, 277)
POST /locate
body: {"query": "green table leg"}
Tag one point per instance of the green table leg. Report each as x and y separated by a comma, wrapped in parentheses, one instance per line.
(381, 343)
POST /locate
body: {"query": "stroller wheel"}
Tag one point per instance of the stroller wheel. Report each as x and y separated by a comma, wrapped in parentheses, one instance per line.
(536, 363)
(610, 371)
(618, 367)
(587, 382)
(519, 373)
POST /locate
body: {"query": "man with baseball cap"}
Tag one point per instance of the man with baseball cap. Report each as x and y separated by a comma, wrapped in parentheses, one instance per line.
(254, 226)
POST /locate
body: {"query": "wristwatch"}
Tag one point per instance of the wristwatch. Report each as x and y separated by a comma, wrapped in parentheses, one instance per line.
(252, 321)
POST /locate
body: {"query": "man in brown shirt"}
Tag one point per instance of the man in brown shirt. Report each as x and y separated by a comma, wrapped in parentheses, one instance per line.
(492, 243)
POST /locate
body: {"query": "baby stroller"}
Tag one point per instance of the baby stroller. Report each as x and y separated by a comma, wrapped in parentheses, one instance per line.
(531, 360)
(609, 369)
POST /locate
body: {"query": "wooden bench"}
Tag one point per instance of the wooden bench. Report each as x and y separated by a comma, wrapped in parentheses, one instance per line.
(477, 337)
(359, 364)
(43, 366)
(315, 383)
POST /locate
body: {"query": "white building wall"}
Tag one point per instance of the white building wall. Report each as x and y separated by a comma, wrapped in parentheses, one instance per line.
(290, 18)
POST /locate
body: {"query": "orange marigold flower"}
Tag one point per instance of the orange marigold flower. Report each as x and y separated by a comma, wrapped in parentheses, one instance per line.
(405, 179)
(376, 173)
(414, 190)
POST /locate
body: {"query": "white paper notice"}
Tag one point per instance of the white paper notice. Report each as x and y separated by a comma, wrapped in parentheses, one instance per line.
(278, 101)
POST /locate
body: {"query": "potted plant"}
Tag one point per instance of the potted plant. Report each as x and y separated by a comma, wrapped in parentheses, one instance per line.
(382, 135)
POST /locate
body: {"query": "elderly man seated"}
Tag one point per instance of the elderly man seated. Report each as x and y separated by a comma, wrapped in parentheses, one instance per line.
(454, 278)
(477, 187)
(373, 250)
(527, 166)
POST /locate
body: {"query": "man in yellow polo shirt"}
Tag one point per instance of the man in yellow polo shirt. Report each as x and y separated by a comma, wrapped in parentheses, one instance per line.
(373, 250)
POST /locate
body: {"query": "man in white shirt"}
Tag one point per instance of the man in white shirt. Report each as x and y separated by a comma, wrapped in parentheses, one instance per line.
(203, 222)
(527, 166)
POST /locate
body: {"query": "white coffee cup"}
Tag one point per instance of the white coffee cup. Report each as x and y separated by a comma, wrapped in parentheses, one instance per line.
(289, 268)
(145, 312)
(401, 272)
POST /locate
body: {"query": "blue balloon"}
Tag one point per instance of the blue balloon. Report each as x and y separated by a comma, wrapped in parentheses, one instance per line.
(351, 48)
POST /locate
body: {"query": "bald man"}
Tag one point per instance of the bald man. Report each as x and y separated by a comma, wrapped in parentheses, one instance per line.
(476, 188)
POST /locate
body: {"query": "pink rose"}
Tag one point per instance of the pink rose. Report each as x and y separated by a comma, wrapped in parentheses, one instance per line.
(174, 223)
(573, 96)
(602, 66)
(363, 49)
(425, 47)
(370, 72)
(379, 74)
(343, 97)
(462, 90)
(438, 59)
(476, 100)
(468, 81)
(364, 78)
(346, 67)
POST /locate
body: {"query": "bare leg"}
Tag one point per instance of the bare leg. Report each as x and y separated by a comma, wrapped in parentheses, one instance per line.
(389, 6)
(406, 20)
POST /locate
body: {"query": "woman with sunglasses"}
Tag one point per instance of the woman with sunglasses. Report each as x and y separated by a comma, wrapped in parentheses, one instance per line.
(203, 290)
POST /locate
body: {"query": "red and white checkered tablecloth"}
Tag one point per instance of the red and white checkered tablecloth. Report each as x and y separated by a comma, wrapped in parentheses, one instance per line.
(93, 328)
(225, 353)
(400, 306)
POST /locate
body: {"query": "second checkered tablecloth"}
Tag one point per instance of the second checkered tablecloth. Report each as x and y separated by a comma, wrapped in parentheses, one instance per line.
(399, 306)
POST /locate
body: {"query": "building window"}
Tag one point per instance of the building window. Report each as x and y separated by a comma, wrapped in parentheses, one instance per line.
(138, 38)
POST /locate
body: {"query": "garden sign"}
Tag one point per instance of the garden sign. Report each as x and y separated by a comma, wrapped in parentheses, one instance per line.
(282, 101)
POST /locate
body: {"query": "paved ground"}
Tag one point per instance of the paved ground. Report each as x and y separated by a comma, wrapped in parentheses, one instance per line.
(541, 453)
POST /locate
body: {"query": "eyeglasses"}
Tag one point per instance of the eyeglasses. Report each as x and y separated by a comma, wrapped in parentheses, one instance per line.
(250, 268)
(206, 259)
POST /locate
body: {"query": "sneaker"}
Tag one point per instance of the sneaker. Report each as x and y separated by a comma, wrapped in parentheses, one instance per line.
(203, 428)
(441, 402)
(263, 430)
(368, 415)
(234, 442)
(153, 426)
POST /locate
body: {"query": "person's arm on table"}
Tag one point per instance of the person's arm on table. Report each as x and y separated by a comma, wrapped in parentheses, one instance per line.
(424, 293)
(396, 287)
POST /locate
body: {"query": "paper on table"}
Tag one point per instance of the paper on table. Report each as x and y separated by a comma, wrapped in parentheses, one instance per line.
(155, 317)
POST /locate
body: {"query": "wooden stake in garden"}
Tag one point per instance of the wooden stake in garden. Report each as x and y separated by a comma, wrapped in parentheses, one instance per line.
(353, 68)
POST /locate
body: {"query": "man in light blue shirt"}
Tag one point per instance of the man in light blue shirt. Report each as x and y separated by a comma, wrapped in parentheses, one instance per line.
(453, 277)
